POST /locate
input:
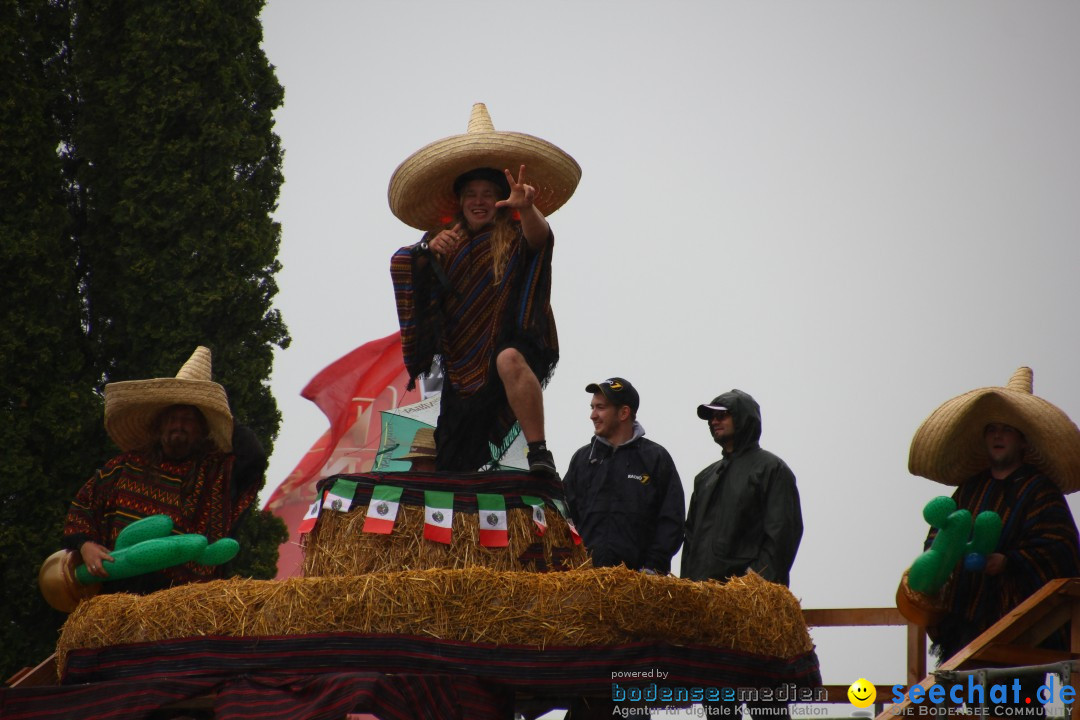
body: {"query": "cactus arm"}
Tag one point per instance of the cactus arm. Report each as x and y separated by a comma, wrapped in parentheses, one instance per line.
(931, 569)
(147, 546)
(155, 526)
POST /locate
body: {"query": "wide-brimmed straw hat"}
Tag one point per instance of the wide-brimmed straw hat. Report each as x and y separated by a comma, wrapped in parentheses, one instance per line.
(421, 190)
(132, 406)
(949, 447)
(422, 447)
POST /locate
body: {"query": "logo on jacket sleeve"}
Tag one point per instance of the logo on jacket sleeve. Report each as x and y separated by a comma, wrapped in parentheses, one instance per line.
(643, 478)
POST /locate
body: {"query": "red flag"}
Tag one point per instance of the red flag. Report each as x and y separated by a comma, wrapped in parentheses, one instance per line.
(351, 392)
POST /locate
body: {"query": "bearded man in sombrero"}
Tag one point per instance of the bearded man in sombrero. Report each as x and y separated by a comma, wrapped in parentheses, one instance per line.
(475, 291)
(183, 457)
(1015, 454)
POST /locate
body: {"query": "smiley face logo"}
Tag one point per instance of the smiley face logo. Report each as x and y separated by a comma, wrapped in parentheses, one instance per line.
(861, 693)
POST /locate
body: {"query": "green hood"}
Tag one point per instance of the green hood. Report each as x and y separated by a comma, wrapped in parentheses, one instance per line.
(747, 415)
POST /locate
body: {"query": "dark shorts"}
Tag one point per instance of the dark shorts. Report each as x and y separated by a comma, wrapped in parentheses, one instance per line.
(470, 427)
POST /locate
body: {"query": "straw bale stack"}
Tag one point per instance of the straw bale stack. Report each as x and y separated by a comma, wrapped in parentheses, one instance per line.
(579, 607)
(338, 546)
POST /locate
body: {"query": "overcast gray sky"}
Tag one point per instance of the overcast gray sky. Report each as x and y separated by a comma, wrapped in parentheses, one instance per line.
(851, 210)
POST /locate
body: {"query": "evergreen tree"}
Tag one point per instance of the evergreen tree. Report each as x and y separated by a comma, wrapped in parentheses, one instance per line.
(178, 170)
(260, 534)
(138, 172)
(50, 430)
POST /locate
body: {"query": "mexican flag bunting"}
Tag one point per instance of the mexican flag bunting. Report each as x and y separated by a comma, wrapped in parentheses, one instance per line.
(438, 515)
(340, 496)
(491, 511)
(573, 531)
(538, 517)
(561, 507)
(383, 509)
(312, 515)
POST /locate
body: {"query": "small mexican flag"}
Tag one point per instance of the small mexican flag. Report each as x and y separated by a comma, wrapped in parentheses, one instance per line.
(573, 531)
(491, 511)
(340, 496)
(438, 515)
(538, 517)
(561, 507)
(312, 515)
(382, 511)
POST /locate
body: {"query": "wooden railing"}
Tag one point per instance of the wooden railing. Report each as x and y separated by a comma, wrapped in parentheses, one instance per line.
(43, 674)
(868, 617)
(1012, 641)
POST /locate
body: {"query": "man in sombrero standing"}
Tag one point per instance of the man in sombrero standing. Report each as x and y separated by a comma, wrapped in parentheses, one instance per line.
(475, 291)
(1013, 453)
(183, 456)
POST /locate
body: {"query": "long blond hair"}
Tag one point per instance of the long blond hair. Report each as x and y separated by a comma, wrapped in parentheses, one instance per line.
(502, 240)
(504, 232)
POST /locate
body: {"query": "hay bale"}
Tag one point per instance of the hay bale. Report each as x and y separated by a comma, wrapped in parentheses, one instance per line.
(338, 546)
(579, 607)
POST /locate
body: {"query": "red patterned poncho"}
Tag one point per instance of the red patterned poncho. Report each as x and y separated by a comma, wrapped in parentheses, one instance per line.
(206, 496)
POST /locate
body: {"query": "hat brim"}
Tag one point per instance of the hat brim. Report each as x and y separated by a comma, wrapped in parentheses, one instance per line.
(612, 397)
(132, 406)
(417, 456)
(949, 446)
(705, 411)
(421, 192)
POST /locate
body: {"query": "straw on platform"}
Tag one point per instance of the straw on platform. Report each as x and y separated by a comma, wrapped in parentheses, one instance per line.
(338, 546)
(579, 607)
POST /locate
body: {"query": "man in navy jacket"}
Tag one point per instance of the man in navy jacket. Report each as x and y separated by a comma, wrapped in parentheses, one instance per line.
(623, 490)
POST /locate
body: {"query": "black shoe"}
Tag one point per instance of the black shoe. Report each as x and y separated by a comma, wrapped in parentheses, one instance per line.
(542, 463)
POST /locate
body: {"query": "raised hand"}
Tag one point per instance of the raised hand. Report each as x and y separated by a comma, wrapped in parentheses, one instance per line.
(521, 194)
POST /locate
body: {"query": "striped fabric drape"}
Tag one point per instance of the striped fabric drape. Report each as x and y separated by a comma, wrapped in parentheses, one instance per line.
(392, 676)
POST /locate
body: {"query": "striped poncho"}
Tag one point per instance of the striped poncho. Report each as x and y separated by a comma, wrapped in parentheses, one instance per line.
(206, 496)
(1038, 539)
(467, 323)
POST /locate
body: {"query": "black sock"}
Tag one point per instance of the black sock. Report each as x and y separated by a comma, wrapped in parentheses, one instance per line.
(539, 445)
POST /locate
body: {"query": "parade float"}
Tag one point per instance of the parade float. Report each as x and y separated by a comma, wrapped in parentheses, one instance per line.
(397, 624)
(422, 593)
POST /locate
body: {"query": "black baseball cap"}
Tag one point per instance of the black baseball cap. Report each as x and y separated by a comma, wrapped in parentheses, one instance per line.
(618, 390)
(706, 411)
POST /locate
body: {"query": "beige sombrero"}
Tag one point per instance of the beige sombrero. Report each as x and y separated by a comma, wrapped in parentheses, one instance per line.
(422, 447)
(421, 190)
(948, 447)
(132, 406)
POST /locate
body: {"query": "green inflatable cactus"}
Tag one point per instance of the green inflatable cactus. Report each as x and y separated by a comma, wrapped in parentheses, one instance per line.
(951, 544)
(147, 545)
